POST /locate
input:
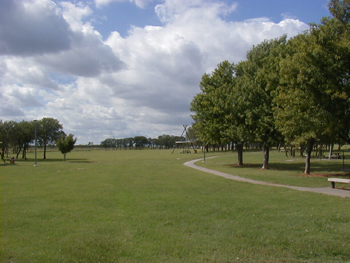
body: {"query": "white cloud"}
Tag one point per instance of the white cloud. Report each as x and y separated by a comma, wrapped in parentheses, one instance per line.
(74, 14)
(172, 10)
(138, 3)
(26, 71)
(35, 27)
(138, 85)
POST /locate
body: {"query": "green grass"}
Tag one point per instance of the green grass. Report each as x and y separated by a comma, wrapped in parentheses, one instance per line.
(283, 170)
(146, 206)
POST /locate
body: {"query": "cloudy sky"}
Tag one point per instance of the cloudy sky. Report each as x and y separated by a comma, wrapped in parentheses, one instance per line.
(122, 68)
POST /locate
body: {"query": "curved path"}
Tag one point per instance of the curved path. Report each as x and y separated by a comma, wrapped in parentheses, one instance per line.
(324, 190)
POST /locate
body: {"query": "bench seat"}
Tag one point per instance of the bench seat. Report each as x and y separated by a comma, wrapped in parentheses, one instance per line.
(338, 180)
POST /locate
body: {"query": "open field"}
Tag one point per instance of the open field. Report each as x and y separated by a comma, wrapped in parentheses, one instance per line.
(146, 206)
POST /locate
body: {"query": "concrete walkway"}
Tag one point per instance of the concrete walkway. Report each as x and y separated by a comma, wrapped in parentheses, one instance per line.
(325, 190)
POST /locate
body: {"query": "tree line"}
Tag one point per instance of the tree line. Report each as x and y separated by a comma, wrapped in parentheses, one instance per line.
(294, 91)
(20, 135)
(164, 141)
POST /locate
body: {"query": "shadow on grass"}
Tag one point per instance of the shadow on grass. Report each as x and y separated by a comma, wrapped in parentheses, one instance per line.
(5, 164)
(55, 160)
(321, 169)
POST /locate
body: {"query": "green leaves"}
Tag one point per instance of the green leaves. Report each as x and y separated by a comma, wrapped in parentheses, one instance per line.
(298, 88)
(66, 143)
(211, 104)
(313, 95)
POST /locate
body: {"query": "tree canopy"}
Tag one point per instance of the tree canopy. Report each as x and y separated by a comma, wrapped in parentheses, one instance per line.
(65, 144)
(48, 131)
(19, 135)
(295, 90)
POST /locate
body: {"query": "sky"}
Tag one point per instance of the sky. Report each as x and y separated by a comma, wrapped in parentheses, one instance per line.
(125, 68)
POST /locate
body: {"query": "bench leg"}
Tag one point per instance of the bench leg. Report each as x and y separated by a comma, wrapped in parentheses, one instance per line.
(333, 184)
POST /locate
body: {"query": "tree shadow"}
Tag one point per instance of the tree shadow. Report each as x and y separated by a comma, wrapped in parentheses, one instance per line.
(54, 160)
(325, 169)
(6, 164)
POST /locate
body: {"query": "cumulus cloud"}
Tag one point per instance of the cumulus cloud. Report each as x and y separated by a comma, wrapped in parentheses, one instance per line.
(141, 84)
(26, 72)
(88, 57)
(75, 14)
(172, 10)
(30, 28)
(138, 3)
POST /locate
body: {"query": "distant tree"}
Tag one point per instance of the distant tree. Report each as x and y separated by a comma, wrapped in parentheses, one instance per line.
(66, 143)
(193, 135)
(22, 136)
(109, 143)
(167, 141)
(6, 129)
(140, 141)
(48, 131)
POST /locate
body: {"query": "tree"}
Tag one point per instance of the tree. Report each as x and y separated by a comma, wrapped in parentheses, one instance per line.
(166, 141)
(66, 143)
(6, 129)
(22, 136)
(312, 103)
(217, 116)
(109, 143)
(140, 141)
(48, 131)
(257, 81)
(340, 9)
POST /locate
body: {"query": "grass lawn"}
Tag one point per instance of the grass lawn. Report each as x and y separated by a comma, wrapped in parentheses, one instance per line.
(283, 170)
(146, 206)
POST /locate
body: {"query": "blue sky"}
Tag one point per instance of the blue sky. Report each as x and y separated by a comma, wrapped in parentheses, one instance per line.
(121, 15)
(120, 68)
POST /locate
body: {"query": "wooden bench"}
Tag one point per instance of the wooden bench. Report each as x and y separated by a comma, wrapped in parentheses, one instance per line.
(338, 180)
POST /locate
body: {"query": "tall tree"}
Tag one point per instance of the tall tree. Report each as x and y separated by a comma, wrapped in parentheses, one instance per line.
(48, 131)
(66, 144)
(340, 9)
(257, 81)
(217, 119)
(313, 97)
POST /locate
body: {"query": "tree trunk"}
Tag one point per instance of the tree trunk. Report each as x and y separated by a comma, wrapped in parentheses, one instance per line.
(292, 151)
(64, 157)
(24, 153)
(330, 151)
(266, 150)
(239, 148)
(309, 147)
(3, 155)
(18, 151)
(302, 151)
(44, 151)
(320, 152)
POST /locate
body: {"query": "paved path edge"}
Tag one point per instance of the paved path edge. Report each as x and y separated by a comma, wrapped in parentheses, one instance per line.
(324, 190)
